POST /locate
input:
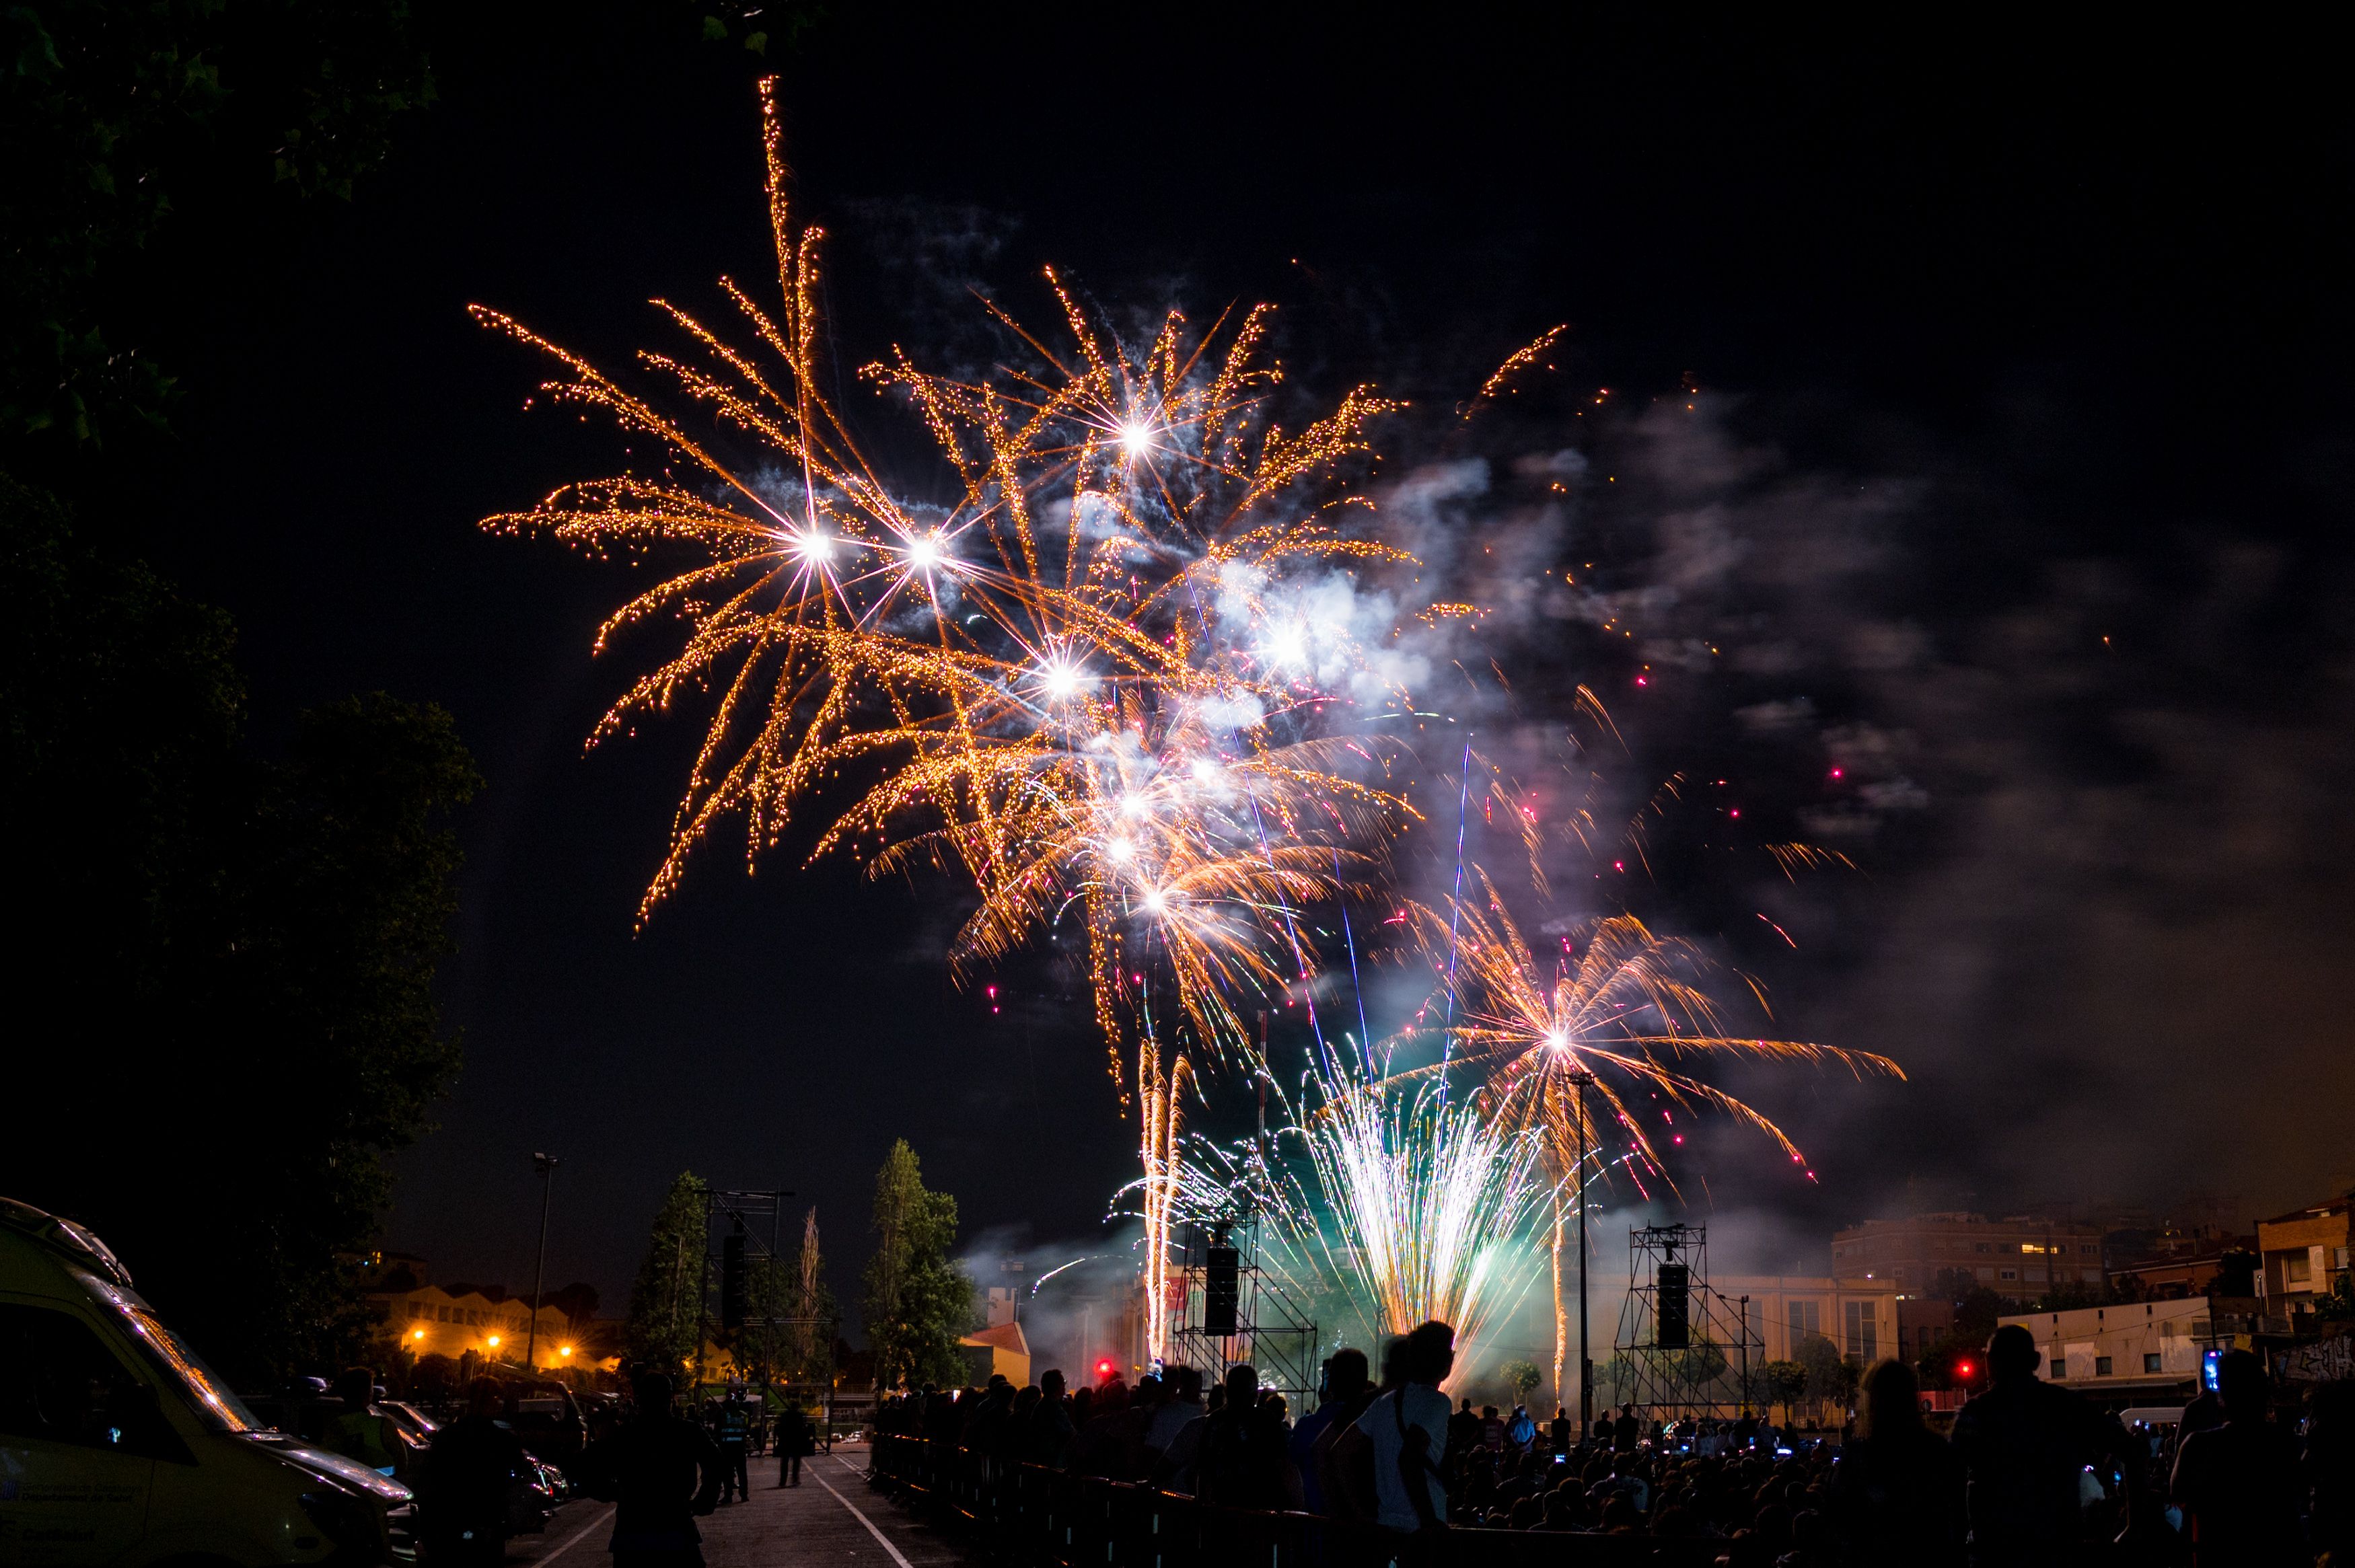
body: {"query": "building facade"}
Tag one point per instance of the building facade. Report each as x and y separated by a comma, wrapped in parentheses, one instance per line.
(431, 1322)
(2302, 1255)
(2142, 1352)
(2020, 1254)
(1784, 1309)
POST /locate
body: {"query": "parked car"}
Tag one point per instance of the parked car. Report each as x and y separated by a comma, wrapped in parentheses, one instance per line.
(118, 1447)
(548, 1420)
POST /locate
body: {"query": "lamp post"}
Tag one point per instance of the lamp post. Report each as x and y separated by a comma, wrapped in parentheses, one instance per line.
(1745, 1354)
(1579, 1080)
(545, 1165)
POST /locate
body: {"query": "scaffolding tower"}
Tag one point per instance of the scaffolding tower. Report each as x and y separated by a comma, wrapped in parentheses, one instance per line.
(731, 1260)
(1682, 1348)
(1235, 1311)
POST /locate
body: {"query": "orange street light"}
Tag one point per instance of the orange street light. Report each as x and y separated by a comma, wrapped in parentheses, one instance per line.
(565, 1351)
(495, 1341)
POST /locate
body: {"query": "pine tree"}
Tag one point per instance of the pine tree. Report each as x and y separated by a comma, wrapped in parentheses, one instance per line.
(666, 1324)
(813, 1338)
(918, 1303)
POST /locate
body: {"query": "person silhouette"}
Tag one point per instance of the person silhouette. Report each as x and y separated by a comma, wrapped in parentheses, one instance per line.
(2237, 1483)
(463, 1492)
(661, 1473)
(1896, 1494)
(2024, 1444)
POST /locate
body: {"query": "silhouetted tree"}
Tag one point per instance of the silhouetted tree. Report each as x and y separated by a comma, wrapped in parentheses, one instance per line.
(665, 1323)
(918, 1303)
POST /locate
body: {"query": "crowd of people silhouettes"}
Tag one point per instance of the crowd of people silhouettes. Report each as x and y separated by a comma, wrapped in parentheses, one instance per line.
(2033, 1474)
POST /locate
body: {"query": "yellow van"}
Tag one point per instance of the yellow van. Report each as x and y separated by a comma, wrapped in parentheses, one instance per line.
(119, 1447)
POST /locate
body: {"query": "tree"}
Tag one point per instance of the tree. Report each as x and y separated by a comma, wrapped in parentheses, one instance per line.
(666, 1322)
(120, 118)
(1783, 1383)
(1520, 1377)
(762, 1346)
(270, 926)
(1976, 1311)
(811, 1346)
(1831, 1378)
(1940, 1366)
(918, 1303)
(1700, 1363)
(1616, 1379)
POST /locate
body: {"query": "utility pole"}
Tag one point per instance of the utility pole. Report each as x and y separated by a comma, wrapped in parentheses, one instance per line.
(1579, 1080)
(545, 1165)
(1745, 1353)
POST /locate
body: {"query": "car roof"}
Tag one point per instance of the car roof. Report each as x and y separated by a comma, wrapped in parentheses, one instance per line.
(62, 1237)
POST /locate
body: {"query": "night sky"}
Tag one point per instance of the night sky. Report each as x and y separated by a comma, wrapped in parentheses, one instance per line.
(2013, 486)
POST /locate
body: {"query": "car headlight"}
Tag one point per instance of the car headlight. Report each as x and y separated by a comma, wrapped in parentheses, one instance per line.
(342, 1519)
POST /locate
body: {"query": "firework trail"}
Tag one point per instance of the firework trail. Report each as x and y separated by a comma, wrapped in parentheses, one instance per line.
(1380, 1194)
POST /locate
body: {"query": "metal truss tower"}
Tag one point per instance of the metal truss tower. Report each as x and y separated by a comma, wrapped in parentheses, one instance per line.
(1682, 1348)
(1235, 1311)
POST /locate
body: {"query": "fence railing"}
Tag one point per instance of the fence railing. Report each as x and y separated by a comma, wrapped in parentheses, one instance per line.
(1034, 1517)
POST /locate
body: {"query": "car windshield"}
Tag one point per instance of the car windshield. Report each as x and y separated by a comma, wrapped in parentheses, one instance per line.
(171, 1358)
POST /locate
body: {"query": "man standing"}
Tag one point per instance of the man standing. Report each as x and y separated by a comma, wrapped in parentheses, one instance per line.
(2024, 1443)
(1627, 1429)
(1346, 1376)
(463, 1493)
(735, 1437)
(2239, 1481)
(1047, 1437)
(1407, 1429)
(1171, 1460)
(662, 1472)
(794, 1444)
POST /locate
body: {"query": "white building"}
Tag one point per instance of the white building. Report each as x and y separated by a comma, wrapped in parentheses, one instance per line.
(2146, 1351)
(429, 1320)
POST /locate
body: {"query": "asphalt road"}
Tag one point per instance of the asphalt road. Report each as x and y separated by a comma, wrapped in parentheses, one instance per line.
(830, 1519)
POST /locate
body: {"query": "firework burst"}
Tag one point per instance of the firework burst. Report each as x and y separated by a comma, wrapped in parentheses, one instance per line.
(1087, 682)
(1097, 684)
(1620, 1008)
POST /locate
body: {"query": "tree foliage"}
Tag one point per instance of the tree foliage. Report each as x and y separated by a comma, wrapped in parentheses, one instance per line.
(1782, 1383)
(117, 117)
(1831, 1377)
(1700, 1363)
(257, 935)
(1520, 1377)
(666, 1322)
(918, 1303)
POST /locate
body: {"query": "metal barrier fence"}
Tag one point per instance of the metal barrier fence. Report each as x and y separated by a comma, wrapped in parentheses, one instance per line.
(1038, 1517)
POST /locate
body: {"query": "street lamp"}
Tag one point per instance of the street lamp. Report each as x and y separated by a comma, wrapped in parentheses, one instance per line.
(1579, 1079)
(545, 1165)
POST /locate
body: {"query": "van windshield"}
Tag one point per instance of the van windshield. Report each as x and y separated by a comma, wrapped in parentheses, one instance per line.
(169, 1355)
